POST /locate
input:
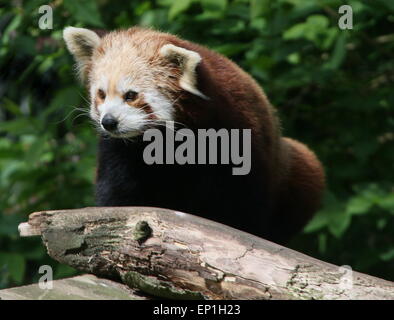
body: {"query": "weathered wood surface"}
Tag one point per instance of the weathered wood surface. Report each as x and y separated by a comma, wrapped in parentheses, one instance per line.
(176, 255)
(86, 287)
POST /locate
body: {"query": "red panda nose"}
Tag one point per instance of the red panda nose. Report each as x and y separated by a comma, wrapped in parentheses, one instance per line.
(109, 123)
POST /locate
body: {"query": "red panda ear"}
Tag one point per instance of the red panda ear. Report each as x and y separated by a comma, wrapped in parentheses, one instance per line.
(188, 61)
(81, 43)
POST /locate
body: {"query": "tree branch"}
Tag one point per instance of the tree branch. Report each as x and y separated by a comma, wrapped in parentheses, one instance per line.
(176, 255)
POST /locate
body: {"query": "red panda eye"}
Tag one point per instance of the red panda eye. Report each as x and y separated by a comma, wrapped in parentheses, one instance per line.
(101, 94)
(130, 96)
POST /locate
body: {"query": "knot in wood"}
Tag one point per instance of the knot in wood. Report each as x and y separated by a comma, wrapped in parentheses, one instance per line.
(142, 231)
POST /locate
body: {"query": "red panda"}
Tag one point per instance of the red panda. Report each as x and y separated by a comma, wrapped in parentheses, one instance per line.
(138, 79)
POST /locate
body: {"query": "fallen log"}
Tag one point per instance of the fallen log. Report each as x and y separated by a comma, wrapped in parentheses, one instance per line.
(175, 255)
(85, 287)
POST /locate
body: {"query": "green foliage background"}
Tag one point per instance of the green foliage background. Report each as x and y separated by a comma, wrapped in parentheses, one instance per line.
(333, 89)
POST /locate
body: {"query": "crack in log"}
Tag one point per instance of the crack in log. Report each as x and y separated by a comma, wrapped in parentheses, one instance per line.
(76, 251)
(158, 288)
(246, 251)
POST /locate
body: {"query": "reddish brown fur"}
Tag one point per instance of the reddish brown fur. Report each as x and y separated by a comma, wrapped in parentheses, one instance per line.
(297, 176)
(292, 175)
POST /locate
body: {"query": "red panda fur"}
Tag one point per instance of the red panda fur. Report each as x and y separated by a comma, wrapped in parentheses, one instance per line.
(286, 183)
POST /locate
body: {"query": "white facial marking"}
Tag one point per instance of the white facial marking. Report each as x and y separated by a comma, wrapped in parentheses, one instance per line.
(161, 106)
(102, 84)
(131, 121)
(126, 84)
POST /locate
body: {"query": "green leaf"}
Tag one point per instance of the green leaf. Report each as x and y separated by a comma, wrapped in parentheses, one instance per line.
(388, 255)
(11, 107)
(339, 53)
(18, 126)
(319, 221)
(257, 8)
(358, 205)
(295, 32)
(317, 22)
(339, 222)
(387, 202)
(64, 271)
(85, 11)
(322, 243)
(8, 225)
(333, 216)
(388, 4)
(165, 3)
(178, 7)
(214, 5)
(313, 29)
(15, 23)
(15, 264)
(64, 99)
(322, 217)
(231, 49)
(294, 58)
(381, 224)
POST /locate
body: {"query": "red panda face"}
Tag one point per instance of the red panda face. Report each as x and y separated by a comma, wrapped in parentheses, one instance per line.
(125, 101)
(132, 77)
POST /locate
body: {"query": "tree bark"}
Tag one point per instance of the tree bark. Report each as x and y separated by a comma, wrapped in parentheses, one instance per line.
(85, 287)
(176, 255)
